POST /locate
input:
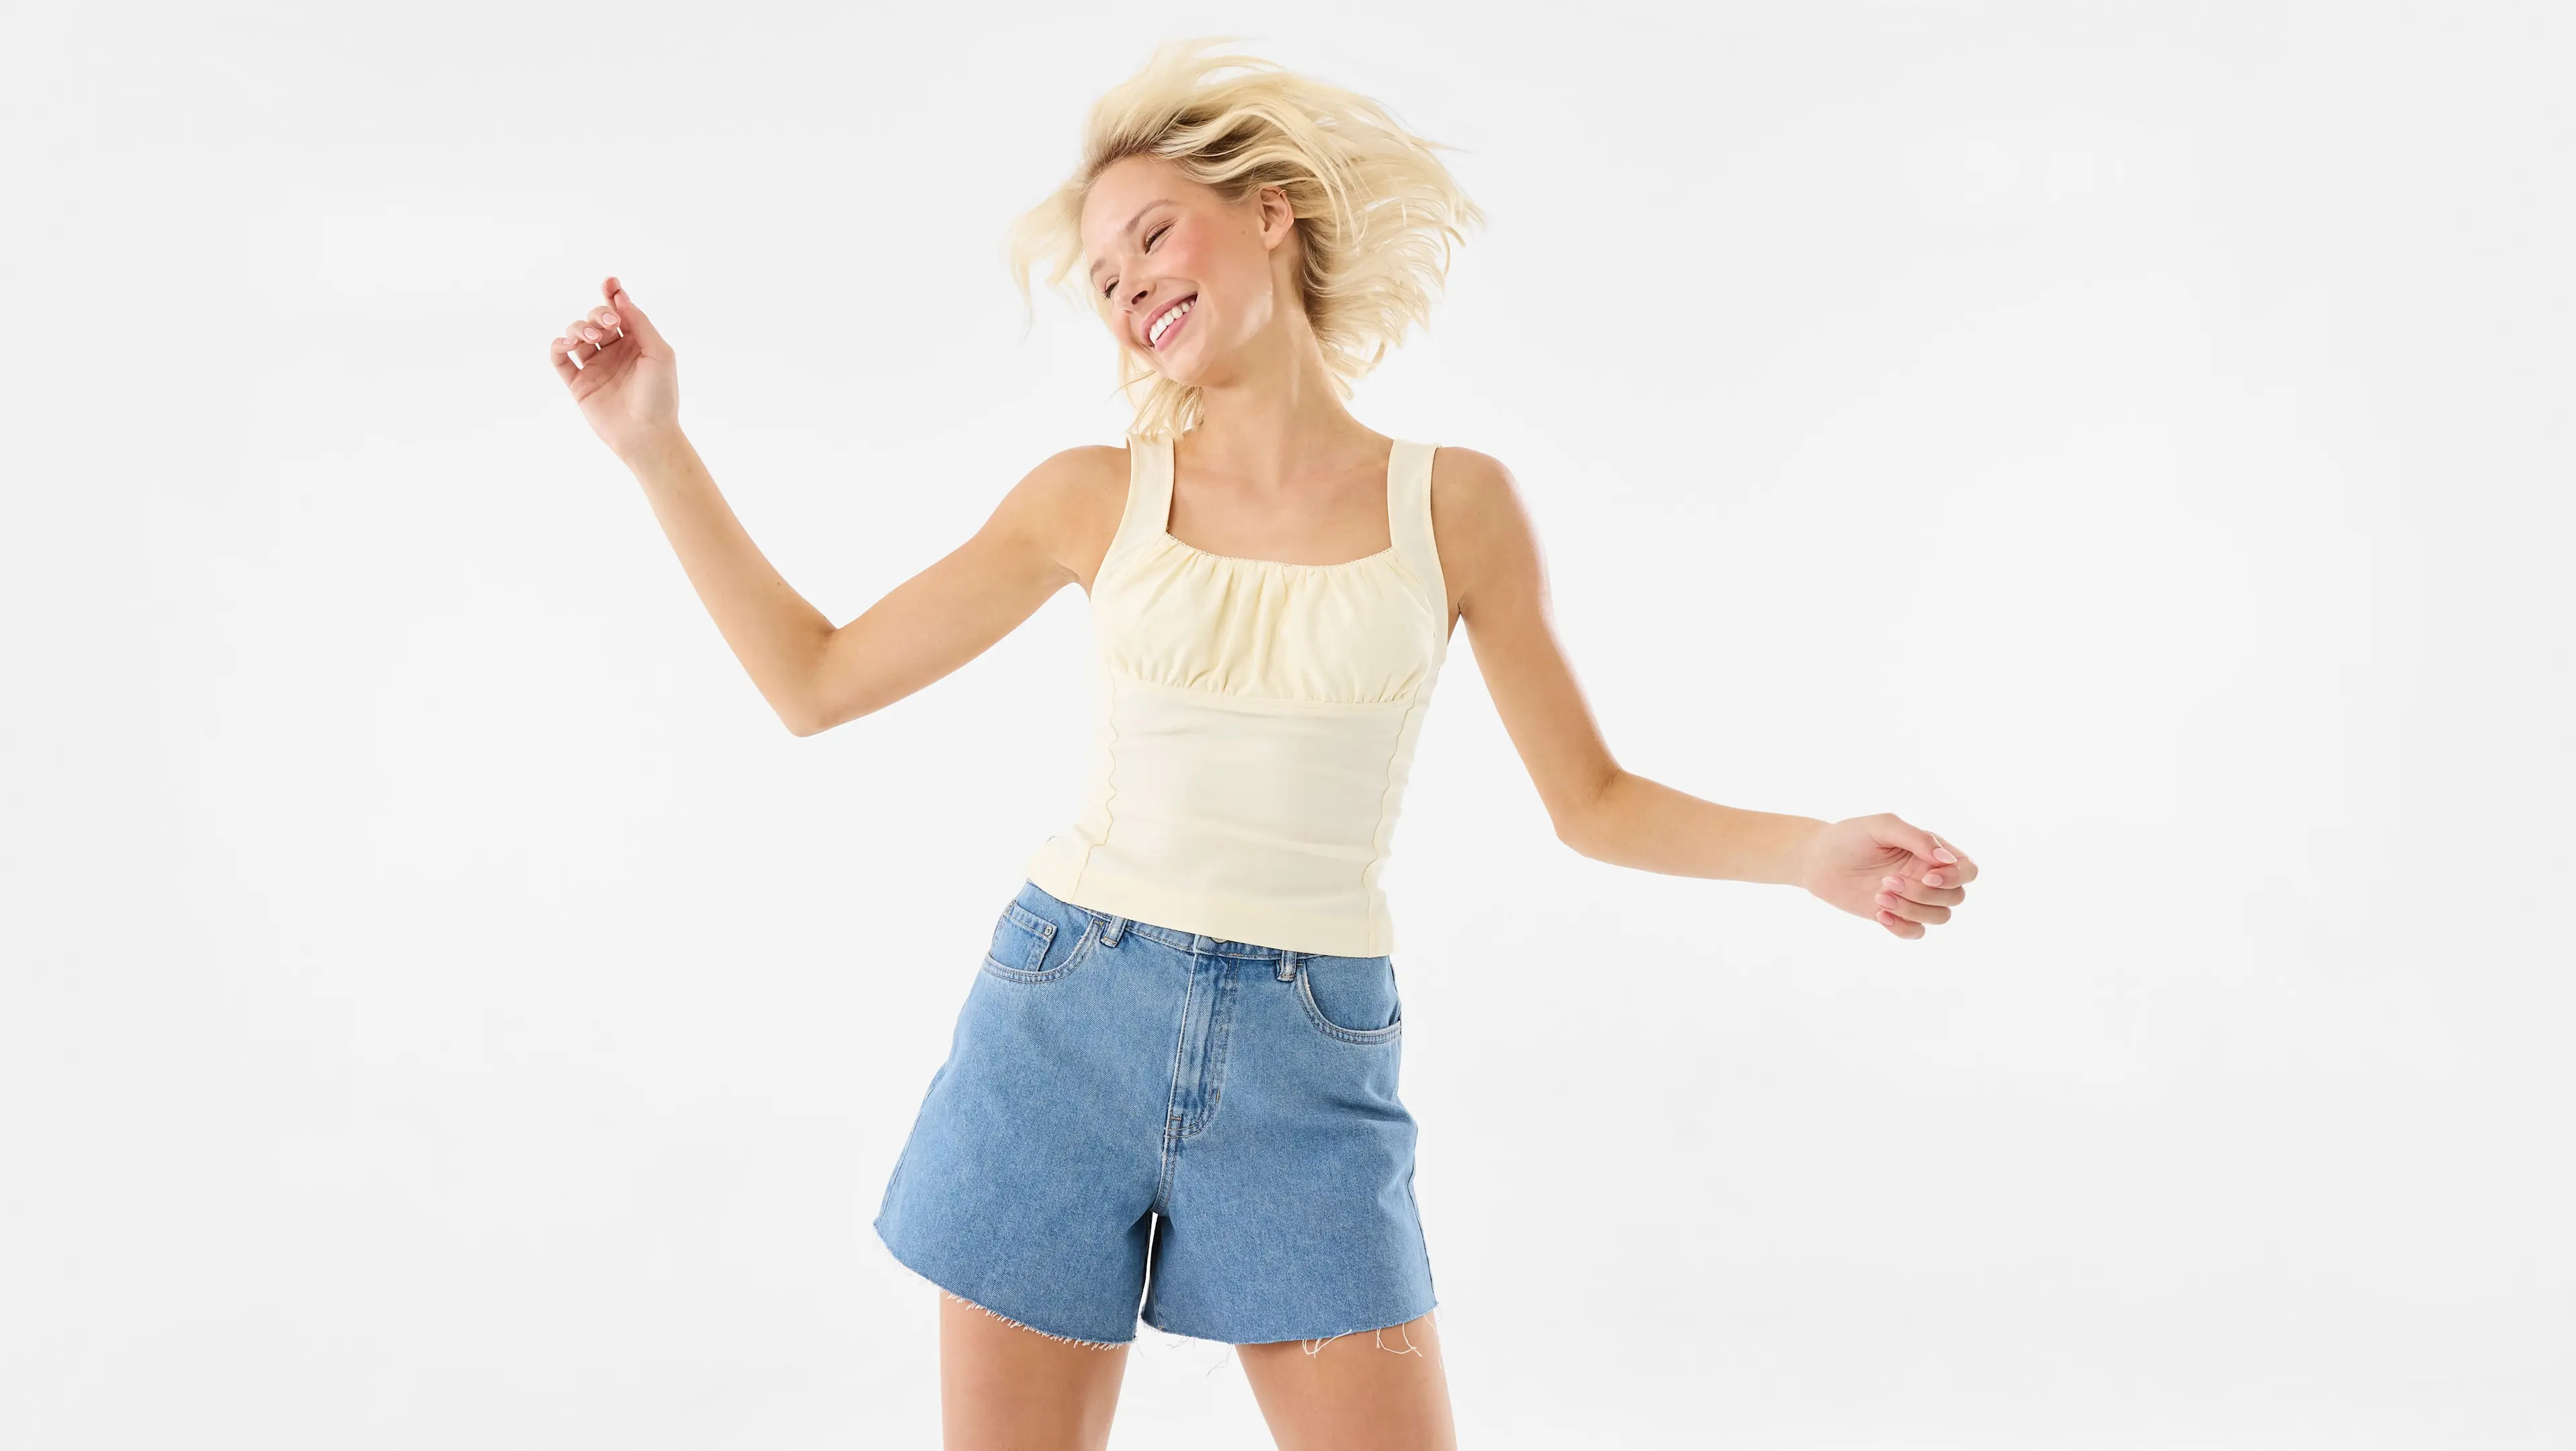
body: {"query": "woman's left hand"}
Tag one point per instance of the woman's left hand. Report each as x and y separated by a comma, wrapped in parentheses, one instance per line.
(1889, 870)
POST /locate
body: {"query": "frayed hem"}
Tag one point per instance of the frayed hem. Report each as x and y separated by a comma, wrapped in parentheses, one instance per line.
(1033, 1330)
(908, 1267)
(1315, 1346)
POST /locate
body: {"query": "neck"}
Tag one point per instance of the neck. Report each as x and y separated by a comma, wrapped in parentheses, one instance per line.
(1275, 416)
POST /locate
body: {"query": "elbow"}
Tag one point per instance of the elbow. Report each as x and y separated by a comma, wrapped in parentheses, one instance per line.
(1572, 830)
(813, 717)
(805, 718)
(1580, 824)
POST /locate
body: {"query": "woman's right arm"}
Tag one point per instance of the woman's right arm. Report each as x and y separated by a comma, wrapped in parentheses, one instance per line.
(1048, 531)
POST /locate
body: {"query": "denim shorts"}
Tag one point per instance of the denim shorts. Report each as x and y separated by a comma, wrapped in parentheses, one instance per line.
(1128, 1110)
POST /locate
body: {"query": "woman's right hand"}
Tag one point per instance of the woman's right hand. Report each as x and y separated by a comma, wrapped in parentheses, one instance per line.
(622, 374)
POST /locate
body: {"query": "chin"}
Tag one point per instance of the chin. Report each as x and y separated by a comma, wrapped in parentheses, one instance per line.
(1186, 377)
(1186, 373)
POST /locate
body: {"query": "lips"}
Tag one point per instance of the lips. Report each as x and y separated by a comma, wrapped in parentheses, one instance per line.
(1147, 332)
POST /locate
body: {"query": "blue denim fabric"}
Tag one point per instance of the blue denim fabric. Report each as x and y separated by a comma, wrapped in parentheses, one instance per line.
(1130, 1109)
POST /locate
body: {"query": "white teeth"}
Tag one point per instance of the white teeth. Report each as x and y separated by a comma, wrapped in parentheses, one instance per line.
(1164, 323)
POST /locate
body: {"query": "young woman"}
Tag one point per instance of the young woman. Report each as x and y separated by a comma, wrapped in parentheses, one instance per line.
(1174, 1075)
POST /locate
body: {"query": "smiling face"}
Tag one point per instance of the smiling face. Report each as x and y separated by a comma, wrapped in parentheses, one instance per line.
(1186, 276)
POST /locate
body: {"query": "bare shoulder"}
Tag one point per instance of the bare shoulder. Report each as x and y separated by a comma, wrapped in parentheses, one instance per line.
(1084, 475)
(1070, 504)
(1478, 521)
(1473, 490)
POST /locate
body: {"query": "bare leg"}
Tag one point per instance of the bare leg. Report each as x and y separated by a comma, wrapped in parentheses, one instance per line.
(1005, 1387)
(1370, 1390)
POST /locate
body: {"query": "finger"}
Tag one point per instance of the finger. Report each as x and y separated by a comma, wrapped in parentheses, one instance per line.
(561, 351)
(636, 324)
(603, 323)
(1916, 891)
(1898, 925)
(583, 330)
(1892, 904)
(1967, 867)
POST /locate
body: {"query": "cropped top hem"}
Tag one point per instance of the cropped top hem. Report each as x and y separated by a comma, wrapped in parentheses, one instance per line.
(1058, 868)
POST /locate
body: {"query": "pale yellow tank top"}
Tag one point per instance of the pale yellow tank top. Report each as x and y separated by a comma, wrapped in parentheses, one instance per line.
(1256, 722)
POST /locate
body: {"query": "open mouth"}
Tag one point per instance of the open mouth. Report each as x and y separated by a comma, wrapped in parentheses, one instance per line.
(1167, 323)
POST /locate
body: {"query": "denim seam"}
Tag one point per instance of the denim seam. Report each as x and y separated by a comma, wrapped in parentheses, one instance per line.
(1220, 1038)
(1180, 941)
(1081, 953)
(1172, 1099)
(1421, 1236)
(1362, 1036)
(1032, 924)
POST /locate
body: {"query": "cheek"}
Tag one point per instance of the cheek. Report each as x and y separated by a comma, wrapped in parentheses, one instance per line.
(1237, 284)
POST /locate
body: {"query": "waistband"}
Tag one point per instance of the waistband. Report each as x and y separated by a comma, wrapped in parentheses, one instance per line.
(1114, 927)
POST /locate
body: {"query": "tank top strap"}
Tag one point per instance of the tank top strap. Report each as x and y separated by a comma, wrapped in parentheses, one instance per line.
(1149, 495)
(1408, 518)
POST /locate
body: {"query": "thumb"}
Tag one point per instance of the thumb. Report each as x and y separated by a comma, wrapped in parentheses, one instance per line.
(1893, 830)
(631, 318)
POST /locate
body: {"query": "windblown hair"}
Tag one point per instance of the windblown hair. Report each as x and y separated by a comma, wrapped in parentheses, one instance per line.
(1376, 211)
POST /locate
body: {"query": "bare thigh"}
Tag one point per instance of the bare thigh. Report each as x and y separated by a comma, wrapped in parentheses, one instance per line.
(1003, 1387)
(1372, 1390)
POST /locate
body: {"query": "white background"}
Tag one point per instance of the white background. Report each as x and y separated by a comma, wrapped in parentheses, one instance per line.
(443, 1007)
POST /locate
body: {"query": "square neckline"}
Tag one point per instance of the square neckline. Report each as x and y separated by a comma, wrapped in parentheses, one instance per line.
(1171, 491)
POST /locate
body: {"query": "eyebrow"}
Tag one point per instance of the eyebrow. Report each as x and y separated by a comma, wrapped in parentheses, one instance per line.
(1123, 231)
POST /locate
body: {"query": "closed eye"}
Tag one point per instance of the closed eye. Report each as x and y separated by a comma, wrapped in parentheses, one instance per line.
(1111, 285)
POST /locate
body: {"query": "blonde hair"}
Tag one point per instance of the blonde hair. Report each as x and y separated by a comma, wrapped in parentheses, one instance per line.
(1376, 211)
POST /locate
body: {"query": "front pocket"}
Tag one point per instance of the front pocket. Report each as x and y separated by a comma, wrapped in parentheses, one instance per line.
(1353, 999)
(1029, 948)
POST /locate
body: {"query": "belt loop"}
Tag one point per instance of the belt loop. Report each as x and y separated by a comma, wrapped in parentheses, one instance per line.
(1110, 934)
(1288, 966)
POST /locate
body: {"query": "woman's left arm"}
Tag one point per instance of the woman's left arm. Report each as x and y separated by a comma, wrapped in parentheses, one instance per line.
(1881, 867)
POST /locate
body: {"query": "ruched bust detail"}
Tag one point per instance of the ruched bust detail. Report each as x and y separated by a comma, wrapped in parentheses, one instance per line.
(1356, 633)
(1255, 726)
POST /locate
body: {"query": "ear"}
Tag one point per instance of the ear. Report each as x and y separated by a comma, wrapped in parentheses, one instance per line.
(1278, 217)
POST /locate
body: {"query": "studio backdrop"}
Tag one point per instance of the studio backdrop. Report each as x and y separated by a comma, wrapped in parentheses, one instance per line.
(440, 1004)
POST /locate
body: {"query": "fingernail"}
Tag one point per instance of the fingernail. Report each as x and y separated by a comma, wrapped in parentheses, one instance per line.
(1943, 854)
(1889, 882)
(1931, 879)
(610, 319)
